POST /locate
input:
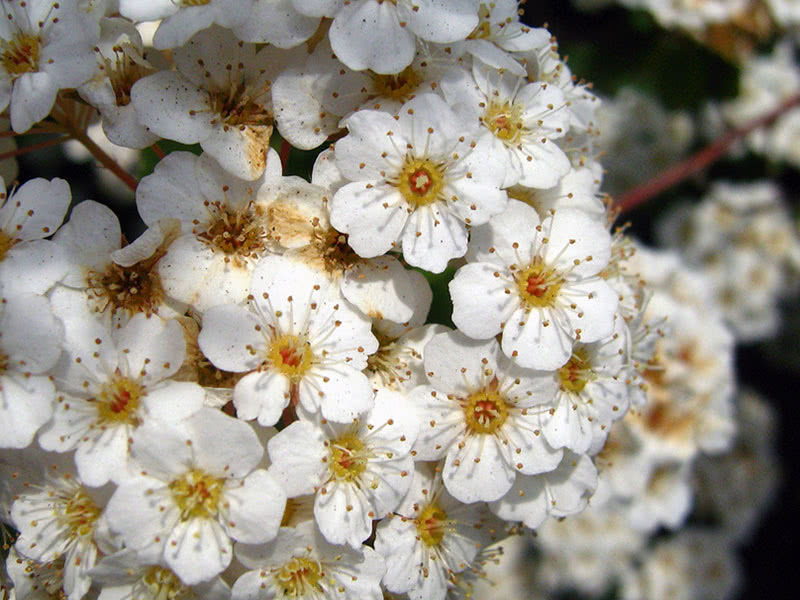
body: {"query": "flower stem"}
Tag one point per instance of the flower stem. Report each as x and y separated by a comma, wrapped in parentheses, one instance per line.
(700, 160)
(34, 147)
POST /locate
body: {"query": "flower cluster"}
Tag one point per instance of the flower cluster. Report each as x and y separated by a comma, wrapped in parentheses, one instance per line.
(249, 400)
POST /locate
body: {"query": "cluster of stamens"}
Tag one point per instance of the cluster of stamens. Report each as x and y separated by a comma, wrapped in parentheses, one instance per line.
(118, 401)
(241, 233)
(504, 120)
(299, 578)
(291, 355)
(242, 104)
(485, 410)
(348, 457)
(538, 285)
(421, 181)
(134, 289)
(390, 362)
(78, 512)
(163, 584)
(432, 524)
(197, 494)
(125, 70)
(574, 375)
(400, 86)
(20, 54)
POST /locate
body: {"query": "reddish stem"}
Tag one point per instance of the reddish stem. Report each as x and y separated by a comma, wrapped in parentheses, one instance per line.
(286, 147)
(158, 151)
(700, 160)
(34, 147)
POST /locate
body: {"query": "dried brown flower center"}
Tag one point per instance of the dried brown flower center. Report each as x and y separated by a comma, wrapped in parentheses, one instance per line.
(135, 289)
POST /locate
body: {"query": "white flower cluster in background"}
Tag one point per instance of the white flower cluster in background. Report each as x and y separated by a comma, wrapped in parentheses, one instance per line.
(742, 237)
(249, 400)
(697, 15)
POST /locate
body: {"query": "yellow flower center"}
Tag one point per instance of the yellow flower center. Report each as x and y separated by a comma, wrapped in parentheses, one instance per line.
(485, 411)
(504, 120)
(162, 584)
(79, 514)
(197, 494)
(194, 2)
(577, 372)
(399, 86)
(299, 578)
(421, 181)
(3, 362)
(291, 355)
(347, 458)
(432, 525)
(6, 243)
(538, 285)
(119, 401)
(21, 54)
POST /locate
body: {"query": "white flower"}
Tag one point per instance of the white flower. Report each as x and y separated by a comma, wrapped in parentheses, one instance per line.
(60, 519)
(431, 537)
(109, 384)
(537, 283)
(219, 97)
(117, 282)
(223, 226)
(45, 46)
(362, 30)
(30, 344)
(120, 64)
(124, 575)
(196, 487)
(518, 120)
(483, 415)
(358, 472)
(183, 18)
(28, 262)
(593, 392)
(559, 493)
(298, 341)
(417, 180)
(300, 564)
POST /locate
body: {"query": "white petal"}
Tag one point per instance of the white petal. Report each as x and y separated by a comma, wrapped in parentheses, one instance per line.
(477, 471)
(25, 405)
(152, 349)
(361, 33)
(432, 236)
(254, 508)
(231, 338)
(480, 302)
(374, 217)
(342, 514)
(261, 395)
(197, 550)
(296, 454)
(41, 210)
(533, 345)
(169, 106)
(341, 393)
(236, 457)
(31, 99)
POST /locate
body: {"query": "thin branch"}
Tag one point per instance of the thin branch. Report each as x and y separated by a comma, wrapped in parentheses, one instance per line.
(34, 147)
(700, 160)
(160, 154)
(286, 148)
